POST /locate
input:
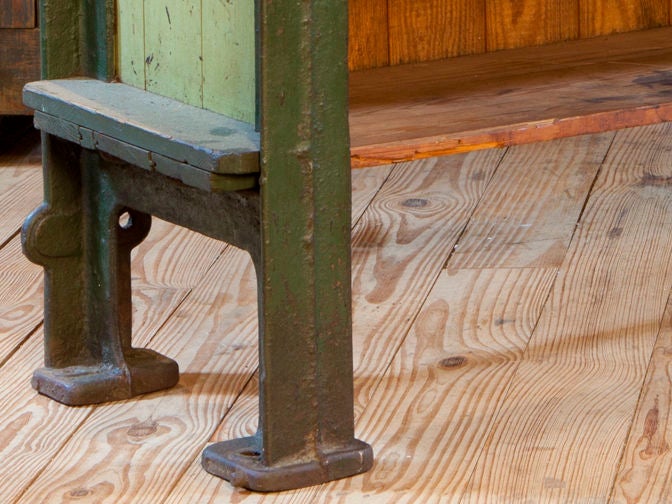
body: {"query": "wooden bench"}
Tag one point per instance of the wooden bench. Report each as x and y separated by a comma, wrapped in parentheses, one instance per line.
(115, 155)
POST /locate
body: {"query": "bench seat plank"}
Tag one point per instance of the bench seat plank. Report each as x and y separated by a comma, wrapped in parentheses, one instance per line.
(142, 158)
(200, 138)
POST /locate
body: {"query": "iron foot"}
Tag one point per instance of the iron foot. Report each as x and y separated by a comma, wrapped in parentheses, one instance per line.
(240, 462)
(146, 371)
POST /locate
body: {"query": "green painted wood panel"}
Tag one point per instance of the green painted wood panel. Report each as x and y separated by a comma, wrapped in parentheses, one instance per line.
(229, 58)
(131, 46)
(201, 53)
(173, 56)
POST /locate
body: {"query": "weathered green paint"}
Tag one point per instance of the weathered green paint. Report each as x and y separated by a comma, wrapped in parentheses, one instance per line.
(229, 58)
(200, 53)
(77, 38)
(306, 222)
(173, 50)
(198, 137)
(295, 225)
(143, 158)
(86, 255)
(98, 38)
(60, 38)
(306, 426)
(77, 237)
(131, 42)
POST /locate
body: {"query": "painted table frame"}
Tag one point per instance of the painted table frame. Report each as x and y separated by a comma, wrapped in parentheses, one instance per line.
(295, 223)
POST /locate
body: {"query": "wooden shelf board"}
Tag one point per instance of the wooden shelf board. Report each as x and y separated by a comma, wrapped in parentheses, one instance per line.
(510, 97)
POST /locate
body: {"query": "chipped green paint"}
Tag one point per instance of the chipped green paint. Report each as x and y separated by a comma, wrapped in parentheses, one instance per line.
(229, 58)
(173, 52)
(201, 53)
(131, 42)
(295, 224)
(84, 49)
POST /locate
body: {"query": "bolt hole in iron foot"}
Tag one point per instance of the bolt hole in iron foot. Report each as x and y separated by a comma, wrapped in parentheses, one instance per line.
(241, 462)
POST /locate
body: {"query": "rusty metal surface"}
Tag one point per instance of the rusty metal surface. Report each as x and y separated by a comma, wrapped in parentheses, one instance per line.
(295, 225)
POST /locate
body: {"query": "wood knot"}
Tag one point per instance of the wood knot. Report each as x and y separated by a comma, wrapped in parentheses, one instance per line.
(79, 492)
(453, 362)
(415, 203)
(615, 232)
(142, 429)
(652, 180)
(502, 321)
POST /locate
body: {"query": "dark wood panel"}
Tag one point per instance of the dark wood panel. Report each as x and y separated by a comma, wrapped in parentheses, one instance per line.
(19, 64)
(601, 17)
(524, 23)
(510, 97)
(423, 30)
(18, 14)
(368, 34)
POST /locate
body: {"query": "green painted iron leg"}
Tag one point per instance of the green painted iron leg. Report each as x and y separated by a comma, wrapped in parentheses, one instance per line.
(306, 425)
(295, 225)
(77, 237)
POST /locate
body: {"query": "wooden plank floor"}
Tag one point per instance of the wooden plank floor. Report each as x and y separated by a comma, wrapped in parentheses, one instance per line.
(407, 112)
(513, 337)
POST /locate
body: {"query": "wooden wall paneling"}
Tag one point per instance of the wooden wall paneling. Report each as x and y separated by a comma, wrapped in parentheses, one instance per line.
(509, 97)
(229, 58)
(19, 63)
(427, 29)
(368, 34)
(523, 23)
(173, 50)
(131, 42)
(601, 17)
(17, 14)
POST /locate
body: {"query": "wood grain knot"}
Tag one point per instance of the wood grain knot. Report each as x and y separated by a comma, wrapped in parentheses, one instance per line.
(453, 362)
(615, 232)
(415, 203)
(142, 429)
(502, 321)
(80, 492)
(651, 180)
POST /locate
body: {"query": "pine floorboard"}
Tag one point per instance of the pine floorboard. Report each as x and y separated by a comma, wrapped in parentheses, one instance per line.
(511, 329)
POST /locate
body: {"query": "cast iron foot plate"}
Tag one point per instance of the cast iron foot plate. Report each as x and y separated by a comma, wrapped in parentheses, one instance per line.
(146, 371)
(239, 461)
